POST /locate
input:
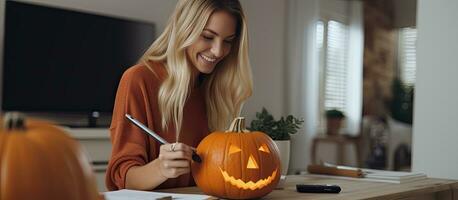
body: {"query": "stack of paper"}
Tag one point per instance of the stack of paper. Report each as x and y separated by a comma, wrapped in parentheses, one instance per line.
(376, 175)
(143, 195)
(392, 176)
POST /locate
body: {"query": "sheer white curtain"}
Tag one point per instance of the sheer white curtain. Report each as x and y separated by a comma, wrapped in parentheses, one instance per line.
(355, 67)
(339, 39)
(303, 87)
(303, 77)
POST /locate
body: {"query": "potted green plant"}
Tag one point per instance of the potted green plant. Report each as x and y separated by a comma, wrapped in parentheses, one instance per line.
(334, 120)
(401, 106)
(279, 131)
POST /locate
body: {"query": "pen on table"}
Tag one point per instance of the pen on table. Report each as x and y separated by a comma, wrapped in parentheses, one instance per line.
(195, 157)
(335, 170)
(341, 167)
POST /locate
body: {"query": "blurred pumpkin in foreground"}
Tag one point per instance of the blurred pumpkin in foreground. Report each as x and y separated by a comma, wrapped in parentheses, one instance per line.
(237, 164)
(40, 161)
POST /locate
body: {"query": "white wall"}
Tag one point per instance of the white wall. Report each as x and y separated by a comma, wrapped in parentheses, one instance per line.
(266, 32)
(156, 11)
(267, 29)
(435, 132)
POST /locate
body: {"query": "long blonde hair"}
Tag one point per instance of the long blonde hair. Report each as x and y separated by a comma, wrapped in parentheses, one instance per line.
(226, 88)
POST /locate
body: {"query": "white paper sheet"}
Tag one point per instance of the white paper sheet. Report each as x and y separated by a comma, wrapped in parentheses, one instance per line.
(144, 195)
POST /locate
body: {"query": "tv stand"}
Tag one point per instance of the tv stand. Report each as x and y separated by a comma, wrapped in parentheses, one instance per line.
(86, 119)
(97, 144)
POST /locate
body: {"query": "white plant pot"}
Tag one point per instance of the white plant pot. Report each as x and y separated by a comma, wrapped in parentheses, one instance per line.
(284, 148)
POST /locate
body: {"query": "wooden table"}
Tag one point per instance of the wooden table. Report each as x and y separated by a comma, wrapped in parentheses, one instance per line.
(429, 188)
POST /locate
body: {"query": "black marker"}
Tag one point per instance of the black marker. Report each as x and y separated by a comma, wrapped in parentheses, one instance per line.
(195, 157)
(318, 188)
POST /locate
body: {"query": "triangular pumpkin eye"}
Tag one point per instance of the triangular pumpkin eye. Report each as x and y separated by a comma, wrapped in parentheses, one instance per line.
(264, 148)
(234, 149)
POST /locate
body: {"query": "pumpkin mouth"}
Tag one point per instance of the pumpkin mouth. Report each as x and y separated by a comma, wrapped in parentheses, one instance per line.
(250, 184)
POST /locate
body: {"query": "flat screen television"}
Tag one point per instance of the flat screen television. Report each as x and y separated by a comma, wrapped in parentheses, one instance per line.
(63, 61)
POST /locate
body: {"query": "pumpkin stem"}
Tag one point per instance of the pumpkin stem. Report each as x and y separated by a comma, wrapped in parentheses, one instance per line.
(238, 126)
(13, 120)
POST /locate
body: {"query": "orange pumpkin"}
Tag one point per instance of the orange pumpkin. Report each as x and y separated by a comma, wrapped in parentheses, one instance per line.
(39, 161)
(237, 164)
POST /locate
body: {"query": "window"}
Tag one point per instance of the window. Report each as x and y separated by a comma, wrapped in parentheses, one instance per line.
(407, 55)
(332, 43)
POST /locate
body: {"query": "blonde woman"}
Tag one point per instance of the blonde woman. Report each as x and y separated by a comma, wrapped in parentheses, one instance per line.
(193, 80)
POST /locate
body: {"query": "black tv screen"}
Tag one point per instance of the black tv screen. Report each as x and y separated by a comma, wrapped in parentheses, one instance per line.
(57, 60)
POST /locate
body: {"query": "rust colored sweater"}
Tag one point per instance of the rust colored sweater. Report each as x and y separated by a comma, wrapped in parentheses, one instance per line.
(137, 95)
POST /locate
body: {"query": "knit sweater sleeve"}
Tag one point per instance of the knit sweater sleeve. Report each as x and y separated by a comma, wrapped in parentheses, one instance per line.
(129, 143)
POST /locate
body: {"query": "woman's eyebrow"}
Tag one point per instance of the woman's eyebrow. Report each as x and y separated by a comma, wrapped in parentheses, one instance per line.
(209, 30)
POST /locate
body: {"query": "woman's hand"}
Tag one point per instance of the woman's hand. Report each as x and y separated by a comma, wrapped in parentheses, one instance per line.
(174, 159)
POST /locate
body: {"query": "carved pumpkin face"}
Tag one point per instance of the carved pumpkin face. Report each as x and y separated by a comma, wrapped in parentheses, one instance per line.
(40, 161)
(237, 164)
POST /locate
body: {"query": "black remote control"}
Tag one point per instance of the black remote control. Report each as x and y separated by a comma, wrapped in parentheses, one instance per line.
(318, 188)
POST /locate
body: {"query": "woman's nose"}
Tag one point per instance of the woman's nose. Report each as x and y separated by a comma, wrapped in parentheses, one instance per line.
(217, 49)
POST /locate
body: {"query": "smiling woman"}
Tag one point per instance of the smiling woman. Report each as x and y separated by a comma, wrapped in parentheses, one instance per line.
(194, 78)
(215, 42)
